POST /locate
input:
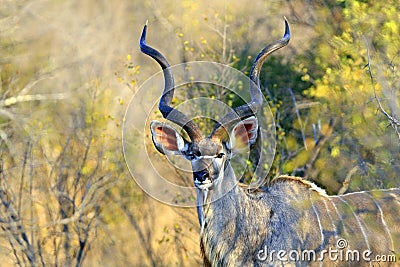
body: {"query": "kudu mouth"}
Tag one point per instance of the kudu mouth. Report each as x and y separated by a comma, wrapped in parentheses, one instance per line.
(203, 180)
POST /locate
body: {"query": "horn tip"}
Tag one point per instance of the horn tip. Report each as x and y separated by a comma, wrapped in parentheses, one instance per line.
(285, 18)
(287, 29)
(143, 36)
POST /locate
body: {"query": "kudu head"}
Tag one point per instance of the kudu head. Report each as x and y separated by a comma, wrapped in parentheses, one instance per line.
(210, 154)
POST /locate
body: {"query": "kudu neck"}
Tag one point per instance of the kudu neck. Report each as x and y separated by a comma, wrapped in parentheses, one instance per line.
(223, 198)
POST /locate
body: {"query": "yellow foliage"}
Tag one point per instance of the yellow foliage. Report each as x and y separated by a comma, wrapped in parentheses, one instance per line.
(291, 143)
(309, 143)
(335, 152)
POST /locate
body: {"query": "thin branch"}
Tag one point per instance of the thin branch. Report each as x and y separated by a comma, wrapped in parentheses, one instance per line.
(21, 186)
(298, 118)
(315, 151)
(394, 122)
(14, 250)
(27, 98)
(31, 84)
(31, 170)
(346, 182)
(40, 253)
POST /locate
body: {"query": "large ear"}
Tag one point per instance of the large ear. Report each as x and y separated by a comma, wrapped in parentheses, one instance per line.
(166, 139)
(244, 134)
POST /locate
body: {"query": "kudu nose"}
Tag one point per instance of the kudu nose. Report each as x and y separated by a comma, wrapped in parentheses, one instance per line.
(201, 176)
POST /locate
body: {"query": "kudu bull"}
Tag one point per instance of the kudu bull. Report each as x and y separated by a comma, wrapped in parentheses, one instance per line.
(291, 220)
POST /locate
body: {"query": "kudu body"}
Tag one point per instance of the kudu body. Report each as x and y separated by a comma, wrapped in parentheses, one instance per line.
(290, 214)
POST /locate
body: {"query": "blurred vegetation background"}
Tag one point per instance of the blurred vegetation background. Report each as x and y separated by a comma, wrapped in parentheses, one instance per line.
(69, 68)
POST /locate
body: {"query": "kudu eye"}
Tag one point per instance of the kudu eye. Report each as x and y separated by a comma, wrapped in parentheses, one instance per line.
(193, 155)
(220, 155)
